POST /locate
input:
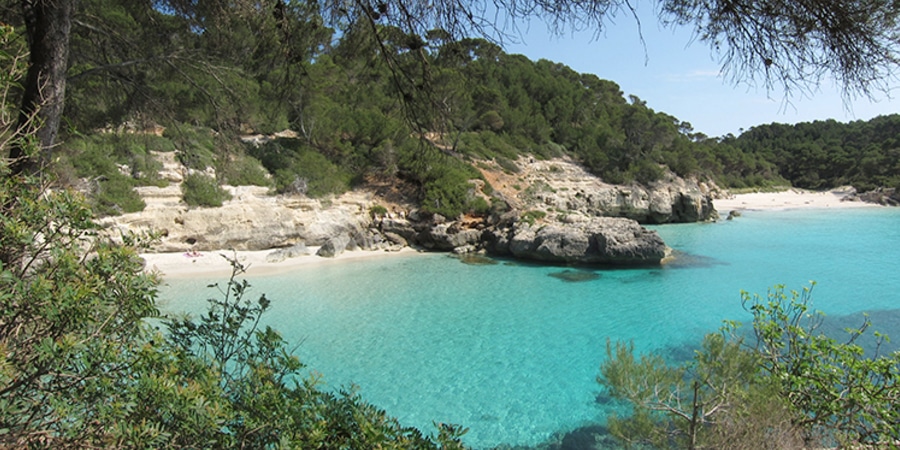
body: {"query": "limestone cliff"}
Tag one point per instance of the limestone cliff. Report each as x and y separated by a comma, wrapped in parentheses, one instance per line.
(554, 212)
(252, 220)
(562, 186)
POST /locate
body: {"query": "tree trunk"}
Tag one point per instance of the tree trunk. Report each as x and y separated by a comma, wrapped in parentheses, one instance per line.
(47, 25)
(694, 426)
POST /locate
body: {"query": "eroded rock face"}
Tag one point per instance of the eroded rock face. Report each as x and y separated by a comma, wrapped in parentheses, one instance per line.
(674, 201)
(564, 186)
(251, 220)
(575, 227)
(447, 237)
(597, 240)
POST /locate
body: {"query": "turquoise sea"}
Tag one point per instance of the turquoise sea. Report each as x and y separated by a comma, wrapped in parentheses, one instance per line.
(512, 352)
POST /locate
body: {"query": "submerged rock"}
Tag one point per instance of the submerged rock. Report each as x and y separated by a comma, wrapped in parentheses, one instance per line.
(575, 276)
(476, 259)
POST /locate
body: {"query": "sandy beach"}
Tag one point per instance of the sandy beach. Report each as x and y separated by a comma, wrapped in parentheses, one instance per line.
(789, 199)
(214, 263)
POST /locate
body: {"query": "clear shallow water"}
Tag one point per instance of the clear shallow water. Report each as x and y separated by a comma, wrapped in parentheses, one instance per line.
(512, 352)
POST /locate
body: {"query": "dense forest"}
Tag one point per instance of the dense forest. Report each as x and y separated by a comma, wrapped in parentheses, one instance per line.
(824, 154)
(417, 109)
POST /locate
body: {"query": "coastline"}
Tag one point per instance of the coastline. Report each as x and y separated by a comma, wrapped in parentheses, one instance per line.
(214, 264)
(791, 199)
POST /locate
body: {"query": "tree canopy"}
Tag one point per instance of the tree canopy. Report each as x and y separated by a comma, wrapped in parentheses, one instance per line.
(794, 44)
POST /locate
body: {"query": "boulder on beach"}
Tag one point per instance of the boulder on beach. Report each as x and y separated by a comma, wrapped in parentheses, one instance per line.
(282, 254)
(334, 246)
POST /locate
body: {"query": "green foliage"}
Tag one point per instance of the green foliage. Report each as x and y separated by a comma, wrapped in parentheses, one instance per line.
(73, 310)
(793, 385)
(837, 389)
(81, 367)
(680, 406)
(116, 195)
(301, 170)
(377, 210)
(479, 206)
(196, 146)
(646, 171)
(826, 154)
(530, 217)
(446, 192)
(507, 164)
(202, 190)
(108, 154)
(240, 169)
(113, 164)
(358, 117)
(357, 104)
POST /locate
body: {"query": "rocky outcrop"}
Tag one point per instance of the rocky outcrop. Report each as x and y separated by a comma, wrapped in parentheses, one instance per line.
(565, 186)
(251, 220)
(566, 220)
(673, 201)
(879, 196)
(334, 246)
(293, 251)
(447, 237)
(596, 240)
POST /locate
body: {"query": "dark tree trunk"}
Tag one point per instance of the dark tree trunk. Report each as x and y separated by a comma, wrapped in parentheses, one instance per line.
(47, 25)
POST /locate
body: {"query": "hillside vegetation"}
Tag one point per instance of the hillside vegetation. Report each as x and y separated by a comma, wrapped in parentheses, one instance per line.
(404, 108)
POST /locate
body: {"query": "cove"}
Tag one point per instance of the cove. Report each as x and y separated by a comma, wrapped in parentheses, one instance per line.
(511, 350)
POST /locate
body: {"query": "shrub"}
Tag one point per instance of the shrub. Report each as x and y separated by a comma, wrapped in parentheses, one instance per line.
(646, 171)
(793, 385)
(69, 323)
(82, 368)
(446, 193)
(479, 206)
(293, 162)
(530, 217)
(202, 190)
(838, 390)
(116, 195)
(507, 164)
(196, 146)
(105, 155)
(240, 169)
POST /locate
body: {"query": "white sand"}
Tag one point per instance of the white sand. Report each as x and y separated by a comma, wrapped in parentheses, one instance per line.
(790, 199)
(214, 264)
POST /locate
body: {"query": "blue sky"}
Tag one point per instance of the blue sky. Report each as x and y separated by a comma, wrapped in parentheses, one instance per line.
(683, 78)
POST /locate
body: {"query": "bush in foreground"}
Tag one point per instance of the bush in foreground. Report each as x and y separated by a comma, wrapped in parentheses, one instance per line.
(791, 386)
(81, 367)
